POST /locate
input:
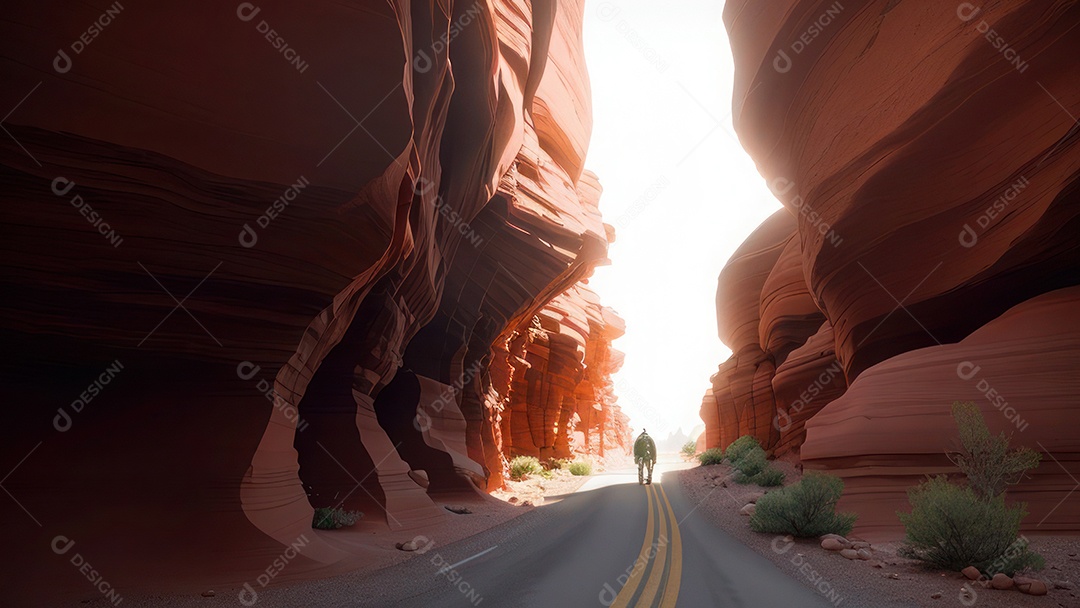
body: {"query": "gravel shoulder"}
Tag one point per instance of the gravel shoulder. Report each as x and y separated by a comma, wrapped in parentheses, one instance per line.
(373, 545)
(885, 581)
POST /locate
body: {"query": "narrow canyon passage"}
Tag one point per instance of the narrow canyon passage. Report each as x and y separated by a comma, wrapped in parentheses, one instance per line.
(289, 288)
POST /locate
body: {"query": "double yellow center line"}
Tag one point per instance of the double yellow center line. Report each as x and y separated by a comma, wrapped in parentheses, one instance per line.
(659, 564)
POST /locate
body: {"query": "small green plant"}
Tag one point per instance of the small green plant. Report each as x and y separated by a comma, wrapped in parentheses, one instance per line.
(332, 518)
(689, 449)
(985, 459)
(754, 467)
(740, 447)
(711, 456)
(580, 468)
(953, 527)
(804, 509)
(522, 466)
(769, 478)
(752, 462)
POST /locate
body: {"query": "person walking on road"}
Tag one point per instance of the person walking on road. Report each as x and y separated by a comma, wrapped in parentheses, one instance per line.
(644, 456)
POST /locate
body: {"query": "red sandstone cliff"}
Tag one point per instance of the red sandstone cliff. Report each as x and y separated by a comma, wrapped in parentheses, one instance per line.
(922, 163)
(307, 254)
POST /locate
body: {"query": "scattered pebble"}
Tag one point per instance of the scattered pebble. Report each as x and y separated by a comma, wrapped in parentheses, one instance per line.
(936, 595)
(209, 593)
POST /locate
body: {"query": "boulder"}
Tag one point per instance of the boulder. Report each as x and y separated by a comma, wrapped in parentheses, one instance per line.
(1001, 581)
(833, 544)
(1030, 586)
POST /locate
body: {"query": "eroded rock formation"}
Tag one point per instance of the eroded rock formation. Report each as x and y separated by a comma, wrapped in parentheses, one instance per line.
(306, 234)
(942, 178)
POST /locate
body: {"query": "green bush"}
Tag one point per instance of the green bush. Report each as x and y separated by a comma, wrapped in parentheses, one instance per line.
(986, 460)
(521, 466)
(689, 448)
(711, 456)
(952, 527)
(332, 518)
(768, 478)
(740, 447)
(580, 468)
(753, 461)
(804, 509)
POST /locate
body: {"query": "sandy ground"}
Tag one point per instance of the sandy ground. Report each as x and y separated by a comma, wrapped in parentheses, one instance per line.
(376, 546)
(885, 581)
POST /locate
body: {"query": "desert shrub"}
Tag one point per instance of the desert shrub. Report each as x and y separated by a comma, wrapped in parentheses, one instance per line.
(521, 466)
(752, 462)
(985, 459)
(711, 456)
(952, 527)
(740, 447)
(332, 518)
(804, 509)
(580, 468)
(768, 478)
(689, 448)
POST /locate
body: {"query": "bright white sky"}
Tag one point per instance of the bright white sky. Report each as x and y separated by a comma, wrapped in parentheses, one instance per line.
(679, 189)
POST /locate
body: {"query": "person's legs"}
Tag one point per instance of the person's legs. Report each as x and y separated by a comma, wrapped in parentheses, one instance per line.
(651, 463)
(640, 473)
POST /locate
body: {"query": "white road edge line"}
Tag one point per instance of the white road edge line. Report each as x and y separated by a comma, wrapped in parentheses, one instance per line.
(467, 559)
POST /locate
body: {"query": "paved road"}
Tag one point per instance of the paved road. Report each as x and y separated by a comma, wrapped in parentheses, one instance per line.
(613, 543)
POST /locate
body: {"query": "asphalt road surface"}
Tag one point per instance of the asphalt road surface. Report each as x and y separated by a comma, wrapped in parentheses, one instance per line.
(612, 543)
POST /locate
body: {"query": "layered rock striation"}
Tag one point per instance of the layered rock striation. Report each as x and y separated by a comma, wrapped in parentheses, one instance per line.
(274, 267)
(933, 200)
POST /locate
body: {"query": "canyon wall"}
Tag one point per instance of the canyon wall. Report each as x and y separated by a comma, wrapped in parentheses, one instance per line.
(261, 259)
(927, 160)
